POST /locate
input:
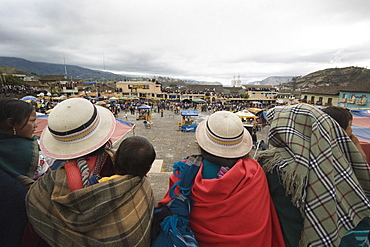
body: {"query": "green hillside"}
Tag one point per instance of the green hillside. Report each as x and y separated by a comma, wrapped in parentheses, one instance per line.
(333, 77)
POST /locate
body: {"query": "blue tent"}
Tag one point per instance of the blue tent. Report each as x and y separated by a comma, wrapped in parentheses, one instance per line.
(199, 101)
(189, 113)
(188, 127)
(28, 98)
(146, 107)
(361, 123)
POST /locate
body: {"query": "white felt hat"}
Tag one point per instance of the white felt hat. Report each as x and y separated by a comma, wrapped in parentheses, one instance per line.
(76, 127)
(224, 135)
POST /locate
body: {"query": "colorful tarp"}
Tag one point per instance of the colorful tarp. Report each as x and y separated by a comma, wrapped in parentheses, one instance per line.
(122, 128)
(361, 128)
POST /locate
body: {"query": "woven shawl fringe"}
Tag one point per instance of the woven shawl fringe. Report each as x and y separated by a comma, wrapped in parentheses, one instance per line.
(304, 240)
(294, 184)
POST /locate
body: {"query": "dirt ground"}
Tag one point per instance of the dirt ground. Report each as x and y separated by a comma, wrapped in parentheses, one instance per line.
(171, 144)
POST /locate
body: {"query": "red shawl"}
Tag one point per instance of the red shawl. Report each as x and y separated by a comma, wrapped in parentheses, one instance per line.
(235, 210)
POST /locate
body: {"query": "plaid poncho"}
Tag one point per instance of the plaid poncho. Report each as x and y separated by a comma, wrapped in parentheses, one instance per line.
(322, 169)
(117, 212)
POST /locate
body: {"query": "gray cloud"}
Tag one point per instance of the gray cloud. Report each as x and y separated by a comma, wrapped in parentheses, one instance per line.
(203, 40)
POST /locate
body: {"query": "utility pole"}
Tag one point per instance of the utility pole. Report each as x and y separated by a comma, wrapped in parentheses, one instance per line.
(65, 66)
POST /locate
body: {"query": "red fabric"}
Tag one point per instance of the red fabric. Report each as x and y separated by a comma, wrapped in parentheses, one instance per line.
(365, 144)
(235, 210)
(121, 128)
(31, 238)
(73, 172)
(361, 121)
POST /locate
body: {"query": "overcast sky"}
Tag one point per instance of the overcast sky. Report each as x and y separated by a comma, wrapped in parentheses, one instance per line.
(208, 40)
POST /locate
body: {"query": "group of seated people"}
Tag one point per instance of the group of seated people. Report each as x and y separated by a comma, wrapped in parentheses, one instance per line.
(310, 188)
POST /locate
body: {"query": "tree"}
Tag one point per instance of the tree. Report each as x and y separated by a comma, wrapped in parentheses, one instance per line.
(12, 80)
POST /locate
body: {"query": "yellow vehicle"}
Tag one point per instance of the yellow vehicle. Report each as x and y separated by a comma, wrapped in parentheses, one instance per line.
(249, 120)
(255, 110)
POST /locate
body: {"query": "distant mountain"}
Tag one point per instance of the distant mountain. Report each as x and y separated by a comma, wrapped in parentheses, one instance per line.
(23, 66)
(272, 80)
(347, 76)
(73, 71)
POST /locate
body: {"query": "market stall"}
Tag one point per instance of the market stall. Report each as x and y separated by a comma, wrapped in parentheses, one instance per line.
(187, 123)
(144, 113)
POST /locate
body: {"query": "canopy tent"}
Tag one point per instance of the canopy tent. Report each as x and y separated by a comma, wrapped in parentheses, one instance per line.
(122, 129)
(113, 99)
(246, 114)
(101, 103)
(144, 113)
(255, 110)
(29, 97)
(144, 107)
(261, 113)
(199, 101)
(127, 98)
(186, 101)
(263, 116)
(189, 113)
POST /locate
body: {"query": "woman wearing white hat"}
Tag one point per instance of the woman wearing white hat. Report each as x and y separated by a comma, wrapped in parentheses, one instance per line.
(69, 205)
(232, 205)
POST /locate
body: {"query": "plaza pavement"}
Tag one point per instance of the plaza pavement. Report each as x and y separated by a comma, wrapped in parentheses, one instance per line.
(171, 144)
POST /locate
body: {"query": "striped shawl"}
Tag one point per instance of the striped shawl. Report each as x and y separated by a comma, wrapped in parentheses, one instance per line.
(322, 169)
(117, 212)
(19, 157)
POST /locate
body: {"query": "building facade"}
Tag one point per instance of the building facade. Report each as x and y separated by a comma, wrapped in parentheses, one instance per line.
(321, 96)
(355, 97)
(145, 89)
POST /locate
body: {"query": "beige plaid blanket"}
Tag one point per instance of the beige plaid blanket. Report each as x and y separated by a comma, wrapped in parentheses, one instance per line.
(321, 168)
(117, 212)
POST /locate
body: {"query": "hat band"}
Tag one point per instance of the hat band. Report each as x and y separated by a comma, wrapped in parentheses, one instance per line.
(227, 142)
(78, 133)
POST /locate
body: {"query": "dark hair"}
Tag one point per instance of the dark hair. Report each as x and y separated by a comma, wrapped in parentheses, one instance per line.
(134, 156)
(15, 109)
(339, 114)
(102, 149)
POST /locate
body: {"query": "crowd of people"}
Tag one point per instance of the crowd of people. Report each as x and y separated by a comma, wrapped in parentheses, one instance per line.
(9, 90)
(309, 187)
(46, 104)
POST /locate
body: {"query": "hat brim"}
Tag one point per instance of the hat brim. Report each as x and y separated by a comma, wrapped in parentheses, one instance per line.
(59, 150)
(226, 152)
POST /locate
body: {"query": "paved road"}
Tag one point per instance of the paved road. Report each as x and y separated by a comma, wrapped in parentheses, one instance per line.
(171, 145)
